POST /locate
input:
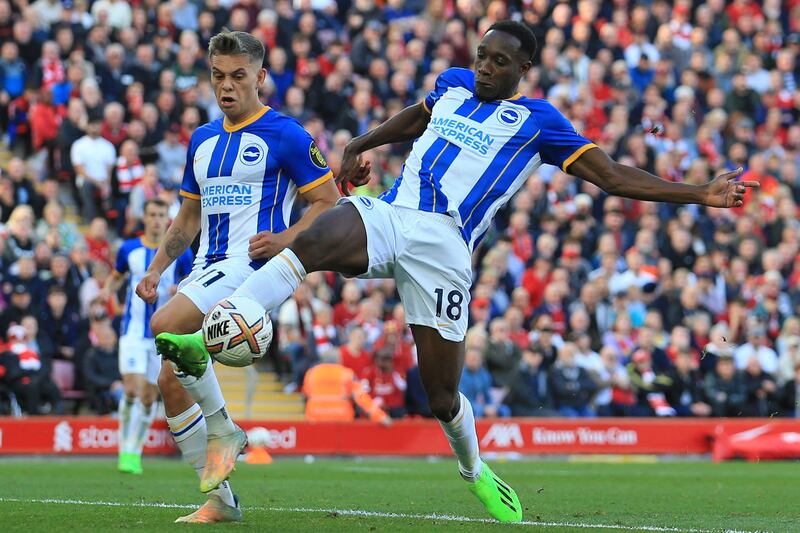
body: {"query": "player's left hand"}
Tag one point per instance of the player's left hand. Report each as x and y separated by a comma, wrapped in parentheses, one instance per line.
(266, 245)
(724, 191)
(354, 170)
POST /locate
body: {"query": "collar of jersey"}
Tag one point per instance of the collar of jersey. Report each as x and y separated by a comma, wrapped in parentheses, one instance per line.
(148, 244)
(246, 122)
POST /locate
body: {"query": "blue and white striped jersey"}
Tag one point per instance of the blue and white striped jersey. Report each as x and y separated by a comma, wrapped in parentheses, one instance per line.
(246, 178)
(475, 155)
(134, 257)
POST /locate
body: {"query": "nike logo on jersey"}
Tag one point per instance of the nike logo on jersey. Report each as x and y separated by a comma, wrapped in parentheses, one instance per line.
(199, 158)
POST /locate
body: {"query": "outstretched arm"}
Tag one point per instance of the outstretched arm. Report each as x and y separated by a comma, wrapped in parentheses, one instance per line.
(596, 166)
(408, 124)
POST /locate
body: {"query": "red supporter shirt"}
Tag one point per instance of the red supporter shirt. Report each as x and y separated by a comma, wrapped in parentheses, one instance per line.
(342, 316)
(403, 356)
(358, 363)
(388, 388)
(99, 250)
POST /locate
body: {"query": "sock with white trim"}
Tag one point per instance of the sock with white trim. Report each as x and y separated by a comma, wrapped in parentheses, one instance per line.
(143, 423)
(189, 431)
(127, 418)
(464, 440)
(274, 282)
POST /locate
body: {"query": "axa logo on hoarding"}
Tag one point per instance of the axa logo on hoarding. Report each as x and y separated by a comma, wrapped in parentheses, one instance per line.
(62, 437)
(259, 437)
(503, 436)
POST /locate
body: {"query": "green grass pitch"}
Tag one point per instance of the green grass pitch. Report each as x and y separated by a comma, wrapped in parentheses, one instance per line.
(405, 495)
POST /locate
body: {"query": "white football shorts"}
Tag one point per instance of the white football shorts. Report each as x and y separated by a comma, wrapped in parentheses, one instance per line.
(207, 286)
(428, 259)
(137, 355)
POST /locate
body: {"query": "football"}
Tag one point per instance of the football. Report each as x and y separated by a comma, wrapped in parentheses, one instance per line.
(237, 331)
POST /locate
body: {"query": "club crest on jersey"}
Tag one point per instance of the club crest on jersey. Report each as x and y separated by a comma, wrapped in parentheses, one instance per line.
(509, 117)
(252, 154)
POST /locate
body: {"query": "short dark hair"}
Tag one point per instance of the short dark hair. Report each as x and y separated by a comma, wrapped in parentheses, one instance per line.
(521, 31)
(158, 202)
(234, 43)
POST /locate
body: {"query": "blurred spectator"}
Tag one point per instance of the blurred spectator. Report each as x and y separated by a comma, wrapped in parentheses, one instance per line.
(346, 310)
(326, 337)
(724, 388)
(29, 375)
(756, 347)
(476, 385)
(685, 392)
(789, 359)
(353, 355)
(386, 385)
(331, 390)
(101, 371)
(649, 386)
(20, 241)
(66, 232)
(19, 306)
(171, 156)
(614, 396)
(790, 396)
(93, 158)
(760, 388)
(573, 387)
(62, 322)
(295, 325)
(502, 355)
(529, 393)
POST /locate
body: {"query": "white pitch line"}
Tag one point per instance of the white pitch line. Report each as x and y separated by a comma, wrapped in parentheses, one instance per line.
(367, 514)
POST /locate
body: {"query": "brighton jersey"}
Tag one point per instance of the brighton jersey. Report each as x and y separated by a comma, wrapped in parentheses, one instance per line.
(246, 178)
(474, 155)
(134, 257)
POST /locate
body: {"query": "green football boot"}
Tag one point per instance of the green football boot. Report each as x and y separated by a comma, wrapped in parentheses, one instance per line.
(187, 352)
(130, 463)
(499, 499)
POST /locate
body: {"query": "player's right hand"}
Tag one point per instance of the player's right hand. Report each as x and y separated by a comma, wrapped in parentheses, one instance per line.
(354, 170)
(147, 289)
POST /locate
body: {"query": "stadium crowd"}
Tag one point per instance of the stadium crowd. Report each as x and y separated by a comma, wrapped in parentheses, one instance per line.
(583, 304)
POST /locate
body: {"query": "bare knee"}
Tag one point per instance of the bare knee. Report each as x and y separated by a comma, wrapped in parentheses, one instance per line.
(149, 395)
(159, 323)
(168, 384)
(131, 390)
(443, 404)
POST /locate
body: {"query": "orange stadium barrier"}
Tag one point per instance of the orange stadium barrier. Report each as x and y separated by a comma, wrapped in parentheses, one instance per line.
(753, 439)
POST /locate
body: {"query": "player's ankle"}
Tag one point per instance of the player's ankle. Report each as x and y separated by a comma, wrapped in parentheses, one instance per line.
(220, 424)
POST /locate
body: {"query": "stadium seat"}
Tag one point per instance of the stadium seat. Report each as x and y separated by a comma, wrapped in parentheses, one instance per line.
(63, 375)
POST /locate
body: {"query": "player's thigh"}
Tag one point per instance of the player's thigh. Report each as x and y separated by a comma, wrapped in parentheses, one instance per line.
(340, 239)
(179, 315)
(197, 294)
